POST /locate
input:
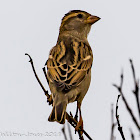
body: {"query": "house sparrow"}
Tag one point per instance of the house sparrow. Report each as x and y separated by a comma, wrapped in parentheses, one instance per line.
(69, 64)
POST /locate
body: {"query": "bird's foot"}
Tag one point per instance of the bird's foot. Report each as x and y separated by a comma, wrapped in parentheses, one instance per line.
(79, 126)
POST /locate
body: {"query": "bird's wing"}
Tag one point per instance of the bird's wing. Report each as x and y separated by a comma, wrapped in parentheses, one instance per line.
(68, 66)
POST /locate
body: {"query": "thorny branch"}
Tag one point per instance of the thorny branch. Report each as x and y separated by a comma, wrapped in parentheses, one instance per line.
(126, 104)
(69, 118)
(118, 122)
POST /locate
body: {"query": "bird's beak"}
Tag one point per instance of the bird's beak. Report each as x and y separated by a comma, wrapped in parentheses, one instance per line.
(92, 19)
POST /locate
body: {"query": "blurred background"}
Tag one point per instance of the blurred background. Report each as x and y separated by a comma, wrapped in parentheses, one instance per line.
(32, 26)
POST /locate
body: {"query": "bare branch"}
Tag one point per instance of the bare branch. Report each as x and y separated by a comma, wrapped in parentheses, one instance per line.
(64, 133)
(69, 130)
(126, 104)
(132, 135)
(73, 122)
(121, 84)
(118, 122)
(31, 61)
(113, 124)
(136, 84)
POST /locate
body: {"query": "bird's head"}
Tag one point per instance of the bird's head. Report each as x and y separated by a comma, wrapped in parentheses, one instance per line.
(78, 23)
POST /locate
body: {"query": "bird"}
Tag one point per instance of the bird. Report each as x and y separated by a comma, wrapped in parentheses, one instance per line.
(69, 64)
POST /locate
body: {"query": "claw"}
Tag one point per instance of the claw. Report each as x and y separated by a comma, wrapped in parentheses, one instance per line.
(79, 125)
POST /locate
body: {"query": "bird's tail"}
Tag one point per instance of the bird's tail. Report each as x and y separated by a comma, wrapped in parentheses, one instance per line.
(59, 109)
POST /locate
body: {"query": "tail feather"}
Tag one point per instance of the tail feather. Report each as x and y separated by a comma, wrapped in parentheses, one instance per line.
(58, 112)
(52, 116)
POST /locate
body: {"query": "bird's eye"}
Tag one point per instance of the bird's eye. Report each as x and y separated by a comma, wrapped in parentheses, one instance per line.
(79, 15)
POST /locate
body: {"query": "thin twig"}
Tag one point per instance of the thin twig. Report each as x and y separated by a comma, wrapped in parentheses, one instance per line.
(126, 104)
(69, 130)
(44, 70)
(31, 61)
(121, 83)
(73, 122)
(136, 84)
(130, 112)
(113, 124)
(69, 118)
(49, 98)
(132, 135)
(63, 131)
(118, 122)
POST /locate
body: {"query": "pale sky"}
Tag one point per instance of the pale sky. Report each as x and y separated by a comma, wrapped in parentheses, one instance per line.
(32, 26)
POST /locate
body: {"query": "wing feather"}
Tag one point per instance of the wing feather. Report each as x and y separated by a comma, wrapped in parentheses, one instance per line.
(67, 74)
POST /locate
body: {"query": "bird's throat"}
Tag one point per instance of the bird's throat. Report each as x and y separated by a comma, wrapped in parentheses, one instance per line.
(73, 34)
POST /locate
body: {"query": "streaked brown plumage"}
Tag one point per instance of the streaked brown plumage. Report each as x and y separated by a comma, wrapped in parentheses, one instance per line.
(69, 63)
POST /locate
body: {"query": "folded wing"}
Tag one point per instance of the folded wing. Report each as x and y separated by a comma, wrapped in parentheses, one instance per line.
(68, 65)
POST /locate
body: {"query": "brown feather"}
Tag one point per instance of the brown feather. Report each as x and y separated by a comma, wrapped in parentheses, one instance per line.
(65, 79)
